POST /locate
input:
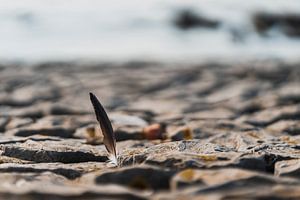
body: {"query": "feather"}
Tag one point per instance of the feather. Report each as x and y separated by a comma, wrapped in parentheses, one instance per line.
(107, 130)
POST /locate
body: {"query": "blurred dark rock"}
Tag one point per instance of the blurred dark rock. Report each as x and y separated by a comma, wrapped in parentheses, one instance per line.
(3, 122)
(187, 19)
(129, 133)
(63, 110)
(287, 23)
(140, 178)
(58, 132)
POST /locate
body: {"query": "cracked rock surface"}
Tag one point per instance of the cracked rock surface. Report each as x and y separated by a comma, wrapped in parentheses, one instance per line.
(199, 131)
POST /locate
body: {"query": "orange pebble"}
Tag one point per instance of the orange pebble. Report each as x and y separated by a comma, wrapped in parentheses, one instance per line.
(154, 132)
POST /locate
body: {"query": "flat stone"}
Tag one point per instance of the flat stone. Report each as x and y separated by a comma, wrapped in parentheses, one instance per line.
(18, 122)
(270, 116)
(231, 182)
(140, 178)
(127, 120)
(65, 110)
(70, 171)
(209, 177)
(288, 168)
(53, 151)
(290, 127)
(50, 185)
(61, 126)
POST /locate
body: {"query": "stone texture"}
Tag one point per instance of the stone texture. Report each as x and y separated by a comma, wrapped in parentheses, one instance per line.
(184, 131)
(140, 178)
(288, 168)
(53, 151)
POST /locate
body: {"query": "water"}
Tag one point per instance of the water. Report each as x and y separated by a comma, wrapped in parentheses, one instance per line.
(35, 30)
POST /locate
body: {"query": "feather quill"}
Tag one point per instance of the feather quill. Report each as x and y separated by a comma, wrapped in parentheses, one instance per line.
(109, 139)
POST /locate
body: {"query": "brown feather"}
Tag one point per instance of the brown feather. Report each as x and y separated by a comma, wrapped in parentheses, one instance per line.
(106, 127)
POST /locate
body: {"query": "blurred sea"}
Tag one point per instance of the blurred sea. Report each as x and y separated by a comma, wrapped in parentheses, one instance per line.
(39, 30)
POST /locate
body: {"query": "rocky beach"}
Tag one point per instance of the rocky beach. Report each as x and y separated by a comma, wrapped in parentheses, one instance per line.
(213, 130)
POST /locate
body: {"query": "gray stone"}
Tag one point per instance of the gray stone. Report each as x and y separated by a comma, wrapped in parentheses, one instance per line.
(184, 131)
(140, 178)
(53, 151)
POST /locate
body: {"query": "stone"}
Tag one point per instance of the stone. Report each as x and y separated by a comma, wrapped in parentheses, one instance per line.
(64, 127)
(288, 168)
(63, 110)
(49, 185)
(209, 177)
(187, 19)
(210, 130)
(3, 123)
(34, 168)
(121, 119)
(18, 122)
(270, 116)
(288, 23)
(183, 133)
(154, 131)
(289, 127)
(139, 178)
(52, 151)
